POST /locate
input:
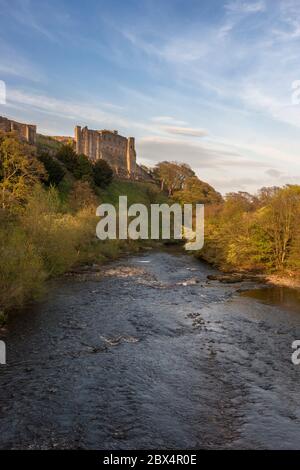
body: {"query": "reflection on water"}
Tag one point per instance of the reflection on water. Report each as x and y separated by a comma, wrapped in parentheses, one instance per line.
(282, 296)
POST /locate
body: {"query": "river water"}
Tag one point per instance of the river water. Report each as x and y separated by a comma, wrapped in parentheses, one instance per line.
(147, 353)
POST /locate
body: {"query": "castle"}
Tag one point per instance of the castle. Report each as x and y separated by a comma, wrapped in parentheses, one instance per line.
(24, 131)
(117, 150)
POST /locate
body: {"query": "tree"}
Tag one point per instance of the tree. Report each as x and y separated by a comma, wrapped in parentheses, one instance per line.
(83, 169)
(280, 222)
(265, 194)
(172, 175)
(195, 191)
(20, 169)
(67, 155)
(55, 170)
(240, 202)
(79, 165)
(102, 173)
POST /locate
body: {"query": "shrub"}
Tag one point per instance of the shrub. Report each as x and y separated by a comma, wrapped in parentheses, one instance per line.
(68, 157)
(55, 170)
(83, 168)
(102, 173)
(21, 269)
(19, 170)
(82, 196)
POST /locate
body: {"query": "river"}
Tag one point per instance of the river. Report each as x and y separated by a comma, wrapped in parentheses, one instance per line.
(147, 353)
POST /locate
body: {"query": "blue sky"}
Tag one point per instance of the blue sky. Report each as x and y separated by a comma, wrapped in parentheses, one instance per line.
(206, 82)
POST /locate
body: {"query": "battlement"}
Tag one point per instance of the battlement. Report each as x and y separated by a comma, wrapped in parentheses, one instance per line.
(117, 150)
(24, 131)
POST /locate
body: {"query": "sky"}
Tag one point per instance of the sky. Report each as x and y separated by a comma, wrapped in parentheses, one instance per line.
(211, 83)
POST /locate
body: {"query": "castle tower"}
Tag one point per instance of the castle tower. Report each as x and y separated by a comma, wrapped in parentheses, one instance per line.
(98, 147)
(30, 133)
(131, 156)
(86, 141)
(78, 139)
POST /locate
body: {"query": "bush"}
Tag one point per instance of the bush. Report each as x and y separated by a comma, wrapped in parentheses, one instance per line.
(55, 235)
(19, 170)
(102, 173)
(55, 170)
(21, 269)
(79, 165)
(68, 157)
(82, 196)
(83, 168)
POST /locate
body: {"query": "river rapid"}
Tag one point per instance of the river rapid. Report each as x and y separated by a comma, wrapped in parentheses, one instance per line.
(147, 353)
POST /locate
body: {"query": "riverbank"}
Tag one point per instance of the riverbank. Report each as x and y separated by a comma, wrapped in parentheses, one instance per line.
(267, 279)
(284, 281)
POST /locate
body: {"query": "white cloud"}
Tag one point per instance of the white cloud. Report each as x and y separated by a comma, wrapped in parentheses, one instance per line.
(274, 173)
(84, 112)
(209, 154)
(168, 119)
(186, 131)
(245, 7)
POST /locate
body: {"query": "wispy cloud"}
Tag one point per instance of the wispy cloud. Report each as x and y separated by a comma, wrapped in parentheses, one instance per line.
(45, 19)
(84, 112)
(186, 131)
(168, 119)
(274, 173)
(13, 64)
(245, 7)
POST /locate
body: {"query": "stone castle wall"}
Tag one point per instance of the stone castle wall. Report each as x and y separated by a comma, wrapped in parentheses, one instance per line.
(25, 131)
(117, 150)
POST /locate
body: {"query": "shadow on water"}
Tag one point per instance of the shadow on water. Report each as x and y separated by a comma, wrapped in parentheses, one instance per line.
(284, 297)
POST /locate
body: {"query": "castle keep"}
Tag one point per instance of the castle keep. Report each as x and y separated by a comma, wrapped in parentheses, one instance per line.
(24, 131)
(117, 150)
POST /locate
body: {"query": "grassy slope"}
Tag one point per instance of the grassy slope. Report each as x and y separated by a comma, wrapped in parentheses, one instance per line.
(136, 192)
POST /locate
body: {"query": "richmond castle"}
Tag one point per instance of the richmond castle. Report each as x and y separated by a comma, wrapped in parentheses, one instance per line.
(117, 150)
(108, 145)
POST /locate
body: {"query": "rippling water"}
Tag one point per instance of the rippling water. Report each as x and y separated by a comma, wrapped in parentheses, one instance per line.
(149, 354)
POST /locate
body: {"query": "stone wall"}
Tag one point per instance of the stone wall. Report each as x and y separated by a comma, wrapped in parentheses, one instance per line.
(25, 131)
(117, 150)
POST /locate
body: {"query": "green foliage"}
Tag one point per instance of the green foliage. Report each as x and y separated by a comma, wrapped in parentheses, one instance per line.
(195, 191)
(19, 170)
(82, 196)
(79, 165)
(21, 269)
(55, 170)
(56, 235)
(83, 169)
(67, 155)
(144, 193)
(256, 232)
(46, 144)
(172, 175)
(102, 173)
